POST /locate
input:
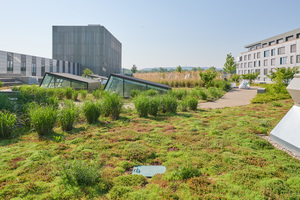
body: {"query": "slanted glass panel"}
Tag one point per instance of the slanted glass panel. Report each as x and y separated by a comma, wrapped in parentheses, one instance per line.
(78, 85)
(66, 83)
(161, 90)
(46, 81)
(115, 84)
(132, 85)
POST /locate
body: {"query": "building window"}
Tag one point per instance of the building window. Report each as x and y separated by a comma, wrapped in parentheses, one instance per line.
(265, 71)
(57, 66)
(245, 71)
(69, 67)
(245, 65)
(254, 64)
(74, 68)
(258, 54)
(33, 66)
(283, 60)
(266, 62)
(23, 63)
(249, 64)
(241, 65)
(249, 57)
(292, 59)
(267, 53)
(272, 52)
(245, 57)
(43, 67)
(281, 50)
(271, 43)
(289, 38)
(64, 67)
(279, 40)
(10, 64)
(257, 70)
(293, 48)
(298, 35)
(264, 45)
(240, 58)
(259, 63)
(254, 56)
(273, 61)
(298, 59)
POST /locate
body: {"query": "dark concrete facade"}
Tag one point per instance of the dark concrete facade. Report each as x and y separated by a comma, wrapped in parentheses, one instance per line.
(92, 46)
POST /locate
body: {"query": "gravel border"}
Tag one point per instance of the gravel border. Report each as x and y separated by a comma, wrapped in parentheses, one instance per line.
(277, 146)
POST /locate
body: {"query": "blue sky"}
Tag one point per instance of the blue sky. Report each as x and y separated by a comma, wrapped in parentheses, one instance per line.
(153, 33)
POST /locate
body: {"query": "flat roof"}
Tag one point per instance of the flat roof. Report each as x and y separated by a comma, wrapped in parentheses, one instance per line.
(97, 76)
(274, 38)
(72, 76)
(141, 81)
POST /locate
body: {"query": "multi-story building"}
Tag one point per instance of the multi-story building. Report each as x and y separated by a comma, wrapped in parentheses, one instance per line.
(92, 46)
(30, 69)
(264, 56)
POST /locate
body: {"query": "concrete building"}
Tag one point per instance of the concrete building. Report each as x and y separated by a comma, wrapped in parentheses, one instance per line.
(92, 46)
(31, 69)
(264, 56)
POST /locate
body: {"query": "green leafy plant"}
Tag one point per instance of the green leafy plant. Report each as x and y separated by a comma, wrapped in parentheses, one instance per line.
(187, 172)
(250, 77)
(192, 103)
(112, 105)
(7, 124)
(153, 106)
(43, 118)
(83, 94)
(168, 104)
(283, 75)
(183, 105)
(230, 65)
(135, 93)
(67, 115)
(208, 76)
(69, 92)
(6, 103)
(92, 111)
(75, 95)
(141, 104)
(131, 180)
(1, 84)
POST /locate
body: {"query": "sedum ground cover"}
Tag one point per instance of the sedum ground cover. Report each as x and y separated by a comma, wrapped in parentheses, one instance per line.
(209, 154)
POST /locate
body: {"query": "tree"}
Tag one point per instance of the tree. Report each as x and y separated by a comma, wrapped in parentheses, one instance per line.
(230, 65)
(194, 69)
(250, 77)
(208, 76)
(86, 72)
(179, 69)
(283, 75)
(236, 78)
(134, 69)
(161, 69)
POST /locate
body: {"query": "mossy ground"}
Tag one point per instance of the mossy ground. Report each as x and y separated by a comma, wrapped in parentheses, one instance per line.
(223, 144)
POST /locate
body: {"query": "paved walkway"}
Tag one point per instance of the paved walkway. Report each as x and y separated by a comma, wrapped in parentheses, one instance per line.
(235, 97)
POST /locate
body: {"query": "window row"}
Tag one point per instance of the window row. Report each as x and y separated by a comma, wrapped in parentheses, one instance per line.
(267, 53)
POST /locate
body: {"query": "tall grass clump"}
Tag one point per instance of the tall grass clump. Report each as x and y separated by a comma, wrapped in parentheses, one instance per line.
(203, 95)
(183, 105)
(82, 173)
(135, 93)
(214, 92)
(6, 103)
(153, 106)
(43, 118)
(68, 92)
(83, 94)
(97, 94)
(67, 115)
(92, 111)
(60, 93)
(112, 105)
(168, 104)
(180, 94)
(7, 124)
(75, 95)
(141, 104)
(192, 103)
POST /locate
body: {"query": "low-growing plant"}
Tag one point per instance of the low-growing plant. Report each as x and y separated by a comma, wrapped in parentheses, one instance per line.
(214, 92)
(97, 94)
(203, 95)
(183, 105)
(150, 92)
(7, 124)
(180, 94)
(43, 118)
(131, 180)
(67, 115)
(192, 103)
(1, 84)
(60, 93)
(187, 172)
(68, 92)
(135, 93)
(83, 94)
(136, 151)
(141, 104)
(92, 111)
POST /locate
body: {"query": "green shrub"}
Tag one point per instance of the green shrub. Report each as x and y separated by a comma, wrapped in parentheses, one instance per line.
(97, 94)
(276, 104)
(168, 104)
(214, 92)
(67, 115)
(180, 94)
(203, 95)
(187, 172)
(141, 104)
(92, 111)
(7, 124)
(151, 92)
(153, 106)
(183, 105)
(68, 92)
(60, 93)
(1, 84)
(192, 103)
(83, 94)
(112, 105)
(6, 103)
(75, 95)
(135, 93)
(43, 118)
(119, 192)
(81, 173)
